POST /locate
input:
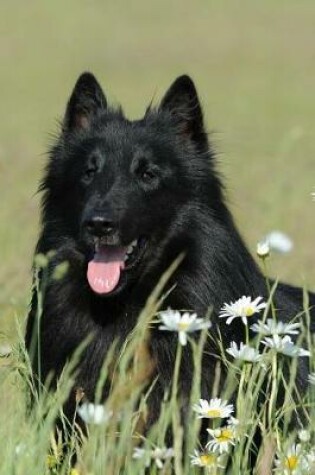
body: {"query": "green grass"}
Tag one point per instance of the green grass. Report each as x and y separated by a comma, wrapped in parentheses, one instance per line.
(33, 447)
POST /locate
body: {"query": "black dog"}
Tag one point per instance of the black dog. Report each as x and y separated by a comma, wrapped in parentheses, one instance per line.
(121, 200)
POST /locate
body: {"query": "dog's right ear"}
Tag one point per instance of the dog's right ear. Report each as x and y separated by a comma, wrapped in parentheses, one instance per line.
(182, 101)
(86, 100)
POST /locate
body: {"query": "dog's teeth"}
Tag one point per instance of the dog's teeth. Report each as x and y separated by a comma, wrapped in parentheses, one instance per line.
(132, 246)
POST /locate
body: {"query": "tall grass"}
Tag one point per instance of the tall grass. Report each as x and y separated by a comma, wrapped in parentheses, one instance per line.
(31, 445)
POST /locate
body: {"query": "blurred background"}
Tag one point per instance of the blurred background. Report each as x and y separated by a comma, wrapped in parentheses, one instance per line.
(254, 67)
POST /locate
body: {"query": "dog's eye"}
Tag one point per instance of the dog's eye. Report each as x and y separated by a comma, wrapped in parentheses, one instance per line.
(147, 176)
(146, 173)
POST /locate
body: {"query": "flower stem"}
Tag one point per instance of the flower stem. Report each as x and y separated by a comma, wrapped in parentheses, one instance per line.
(274, 384)
(177, 429)
(265, 272)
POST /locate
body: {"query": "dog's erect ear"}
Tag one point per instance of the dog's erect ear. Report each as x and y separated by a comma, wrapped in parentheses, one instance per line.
(86, 100)
(182, 101)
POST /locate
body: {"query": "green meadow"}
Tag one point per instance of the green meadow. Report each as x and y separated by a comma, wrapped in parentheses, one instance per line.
(254, 67)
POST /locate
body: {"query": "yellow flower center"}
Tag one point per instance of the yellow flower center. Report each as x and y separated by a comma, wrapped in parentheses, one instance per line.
(214, 413)
(207, 459)
(291, 462)
(249, 311)
(183, 326)
(224, 435)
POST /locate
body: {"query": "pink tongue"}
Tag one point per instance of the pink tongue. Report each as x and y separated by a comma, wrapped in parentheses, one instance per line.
(104, 270)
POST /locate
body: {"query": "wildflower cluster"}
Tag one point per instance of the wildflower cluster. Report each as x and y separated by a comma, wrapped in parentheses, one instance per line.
(222, 437)
(277, 334)
(274, 336)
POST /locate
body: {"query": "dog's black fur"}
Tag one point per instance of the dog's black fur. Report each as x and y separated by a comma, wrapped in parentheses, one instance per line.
(110, 181)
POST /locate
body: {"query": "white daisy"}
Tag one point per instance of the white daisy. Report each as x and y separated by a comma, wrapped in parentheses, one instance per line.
(243, 308)
(311, 378)
(263, 249)
(284, 345)
(158, 455)
(140, 453)
(279, 242)
(215, 408)
(221, 439)
(184, 323)
(271, 327)
(94, 413)
(304, 435)
(244, 353)
(209, 460)
(164, 454)
(292, 462)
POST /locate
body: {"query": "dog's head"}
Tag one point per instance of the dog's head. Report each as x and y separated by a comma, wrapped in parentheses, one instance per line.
(123, 190)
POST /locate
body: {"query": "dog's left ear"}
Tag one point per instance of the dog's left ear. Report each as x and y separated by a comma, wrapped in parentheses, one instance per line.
(182, 101)
(86, 100)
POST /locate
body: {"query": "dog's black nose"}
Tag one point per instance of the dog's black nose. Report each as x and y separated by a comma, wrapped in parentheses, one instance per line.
(99, 226)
